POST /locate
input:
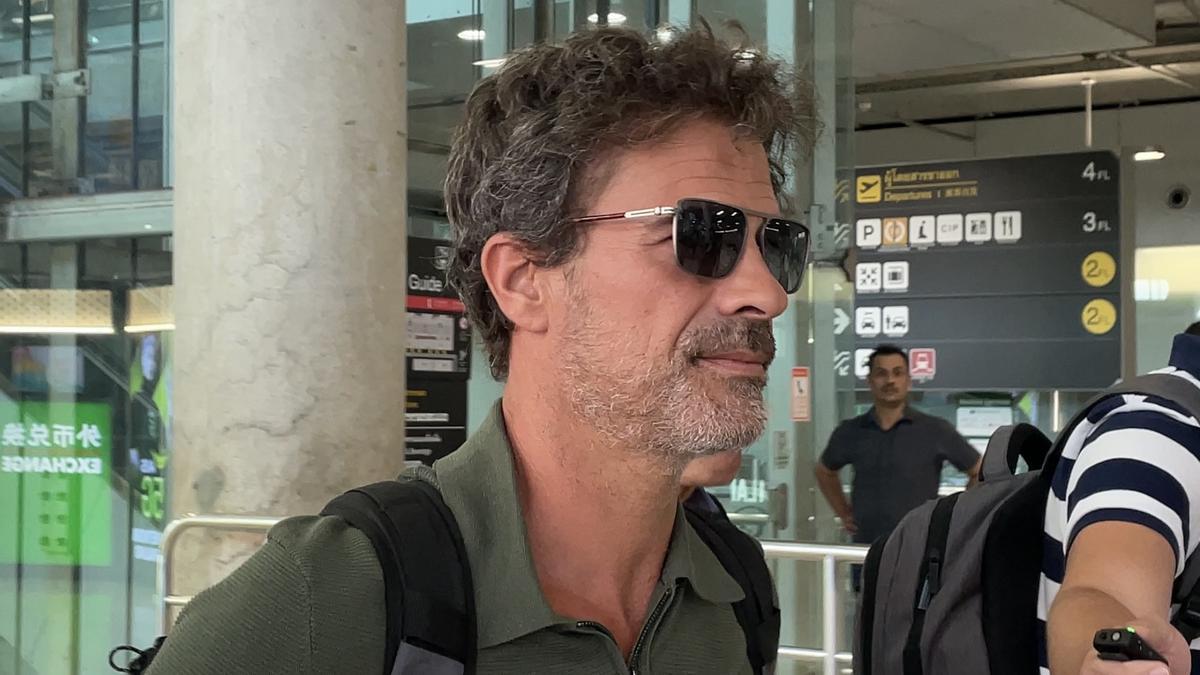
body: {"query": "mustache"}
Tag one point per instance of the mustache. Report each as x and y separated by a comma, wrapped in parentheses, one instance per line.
(731, 336)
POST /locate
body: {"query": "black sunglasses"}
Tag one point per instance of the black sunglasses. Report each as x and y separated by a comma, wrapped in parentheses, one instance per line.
(709, 237)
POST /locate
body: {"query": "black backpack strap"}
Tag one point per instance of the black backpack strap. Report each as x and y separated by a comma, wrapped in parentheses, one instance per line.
(930, 579)
(428, 592)
(742, 558)
(1010, 443)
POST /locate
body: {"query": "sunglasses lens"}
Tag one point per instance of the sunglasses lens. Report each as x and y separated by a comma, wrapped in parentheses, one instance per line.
(784, 245)
(708, 237)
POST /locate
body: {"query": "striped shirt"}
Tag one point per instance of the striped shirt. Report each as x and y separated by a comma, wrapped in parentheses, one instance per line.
(1135, 459)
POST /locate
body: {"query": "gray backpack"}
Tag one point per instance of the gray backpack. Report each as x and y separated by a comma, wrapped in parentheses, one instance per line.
(954, 588)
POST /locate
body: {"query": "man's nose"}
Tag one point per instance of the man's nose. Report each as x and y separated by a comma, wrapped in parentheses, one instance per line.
(750, 290)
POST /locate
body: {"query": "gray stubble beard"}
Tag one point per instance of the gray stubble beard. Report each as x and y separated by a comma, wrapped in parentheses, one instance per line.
(668, 416)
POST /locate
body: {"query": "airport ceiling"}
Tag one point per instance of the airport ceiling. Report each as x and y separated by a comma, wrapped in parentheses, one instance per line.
(914, 61)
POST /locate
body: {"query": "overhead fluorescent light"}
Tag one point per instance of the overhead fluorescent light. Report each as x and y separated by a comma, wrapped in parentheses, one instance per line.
(471, 34)
(489, 63)
(1149, 154)
(56, 330)
(614, 18)
(150, 328)
(34, 18)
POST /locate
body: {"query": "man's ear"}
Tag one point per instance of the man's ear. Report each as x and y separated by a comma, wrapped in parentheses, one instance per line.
(512, 277)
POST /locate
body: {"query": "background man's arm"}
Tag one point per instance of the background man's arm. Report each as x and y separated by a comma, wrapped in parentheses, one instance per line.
(831, 486)
(962, 454)
(838, 453)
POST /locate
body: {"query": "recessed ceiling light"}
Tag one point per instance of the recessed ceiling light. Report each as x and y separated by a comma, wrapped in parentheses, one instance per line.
(489, 63)
(1151, 153)
(471, 35)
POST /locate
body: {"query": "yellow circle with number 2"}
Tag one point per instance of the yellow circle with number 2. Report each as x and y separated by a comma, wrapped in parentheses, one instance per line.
(1098, 269)
(1099, 316)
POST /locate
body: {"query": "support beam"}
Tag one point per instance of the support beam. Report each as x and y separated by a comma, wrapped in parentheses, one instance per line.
(1158, 70)
(68, 114)
(272, 334)
(543, 20)
(912, 124)
(1062, 65)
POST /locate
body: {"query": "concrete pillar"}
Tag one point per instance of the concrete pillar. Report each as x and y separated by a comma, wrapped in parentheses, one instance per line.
(289, 172)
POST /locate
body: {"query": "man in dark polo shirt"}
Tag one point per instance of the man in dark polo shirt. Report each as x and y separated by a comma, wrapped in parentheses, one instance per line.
(621, 249)
(897, 453)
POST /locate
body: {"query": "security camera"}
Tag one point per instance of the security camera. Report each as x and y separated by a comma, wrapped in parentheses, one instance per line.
(1178, 197)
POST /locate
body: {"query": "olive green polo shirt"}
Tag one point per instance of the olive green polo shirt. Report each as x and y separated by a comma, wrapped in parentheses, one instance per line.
(311, 600)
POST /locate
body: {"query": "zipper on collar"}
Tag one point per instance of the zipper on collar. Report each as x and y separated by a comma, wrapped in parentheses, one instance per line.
(651, 621)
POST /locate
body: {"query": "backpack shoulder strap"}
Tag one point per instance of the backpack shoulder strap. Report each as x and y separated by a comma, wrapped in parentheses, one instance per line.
(1007, 445)
(428, 592)
(1178, 390)
(742, 558)
(929, 580)
(1171, 387)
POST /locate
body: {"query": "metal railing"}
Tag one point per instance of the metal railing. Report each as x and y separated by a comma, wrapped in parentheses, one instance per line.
(750, 518)
(828, 555)
(166, 556)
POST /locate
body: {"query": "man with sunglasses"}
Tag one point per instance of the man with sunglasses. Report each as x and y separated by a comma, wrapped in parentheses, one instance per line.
(621, 248)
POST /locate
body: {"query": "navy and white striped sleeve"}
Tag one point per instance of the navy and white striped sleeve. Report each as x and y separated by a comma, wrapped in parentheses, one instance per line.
(1140, 464)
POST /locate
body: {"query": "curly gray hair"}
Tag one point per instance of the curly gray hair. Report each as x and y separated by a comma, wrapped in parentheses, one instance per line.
(530, 149)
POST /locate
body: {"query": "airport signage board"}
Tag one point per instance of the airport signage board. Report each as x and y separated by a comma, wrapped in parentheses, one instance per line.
(994, 274)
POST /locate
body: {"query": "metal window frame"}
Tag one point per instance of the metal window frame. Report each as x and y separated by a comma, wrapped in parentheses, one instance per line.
(76, 217)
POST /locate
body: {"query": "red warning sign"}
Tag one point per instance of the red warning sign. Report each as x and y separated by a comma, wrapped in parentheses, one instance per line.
(801, 395)
(922, 363)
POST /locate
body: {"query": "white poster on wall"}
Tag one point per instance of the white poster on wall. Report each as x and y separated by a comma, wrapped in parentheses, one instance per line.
(981, 421)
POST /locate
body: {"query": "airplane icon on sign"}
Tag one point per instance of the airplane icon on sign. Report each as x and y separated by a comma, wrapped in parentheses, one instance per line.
(870, 189)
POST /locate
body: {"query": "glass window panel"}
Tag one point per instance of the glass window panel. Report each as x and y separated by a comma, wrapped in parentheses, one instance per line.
(108, 141)
(1167, 292)
(751, 16)
(151, 110)
(11, 23)
(12, 144)
(106, 261)
(153, 28)
(152, 263)
(41, 28)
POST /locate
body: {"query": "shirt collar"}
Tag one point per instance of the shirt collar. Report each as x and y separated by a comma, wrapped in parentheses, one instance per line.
(871, 418)
(690, 559)
(1185, 354)
(479, 485)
